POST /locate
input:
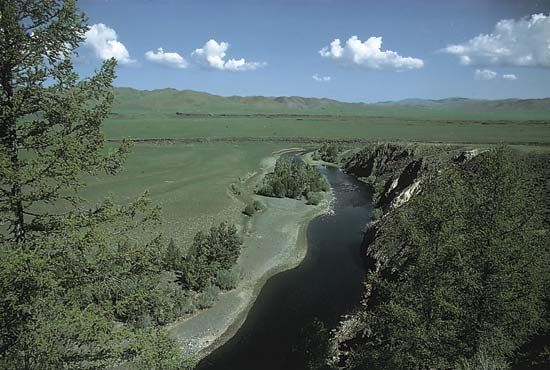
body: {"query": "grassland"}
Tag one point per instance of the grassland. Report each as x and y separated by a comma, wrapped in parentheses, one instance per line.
(191, 181)
(373, 129)
(173, 114)
(195, 157)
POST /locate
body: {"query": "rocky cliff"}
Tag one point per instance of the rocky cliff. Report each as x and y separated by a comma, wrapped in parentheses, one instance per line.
(397, 173)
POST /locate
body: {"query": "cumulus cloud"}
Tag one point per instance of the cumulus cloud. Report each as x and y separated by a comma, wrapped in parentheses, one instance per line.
(168, 59)
(368, 54)
(318, 78)
(212, 55)
(524, 42)
(487, 74)
(104, 42)
(510, 77)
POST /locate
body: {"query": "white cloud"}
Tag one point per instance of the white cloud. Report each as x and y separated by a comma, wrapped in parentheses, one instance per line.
(510, 77)
(168, 59)
(485, 74)
(524, 42)
(103, 41)
(318, 78)
(368, 54)
(212, 55)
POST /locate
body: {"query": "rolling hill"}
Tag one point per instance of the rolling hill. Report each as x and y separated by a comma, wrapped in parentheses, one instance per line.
(130, 101)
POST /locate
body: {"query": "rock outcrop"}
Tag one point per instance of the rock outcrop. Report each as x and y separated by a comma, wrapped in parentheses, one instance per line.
(400, 172)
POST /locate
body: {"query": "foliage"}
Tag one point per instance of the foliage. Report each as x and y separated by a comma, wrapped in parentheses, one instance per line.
(314, 198)
(72, 283)
(172, 256)
(329, 152)
(292, 179)
(253, 207)
(483, 361)
(474, 278)
(249, 210)
(208, 297)
(258, 206)
(377, 214)
(227, 279)
(314, 345)
(210, 252)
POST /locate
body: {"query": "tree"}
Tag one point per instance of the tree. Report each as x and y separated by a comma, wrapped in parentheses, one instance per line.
(66, 279)
(473, 283)
(210, 252)
(172, 256)
(292, 179)
(50, 121)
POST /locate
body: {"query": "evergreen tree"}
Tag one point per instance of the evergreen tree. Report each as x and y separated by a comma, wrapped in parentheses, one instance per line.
(67, 280)
(473, 282)
(172, 256)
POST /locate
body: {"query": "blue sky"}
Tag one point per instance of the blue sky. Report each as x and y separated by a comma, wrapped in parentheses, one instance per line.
(435, 50)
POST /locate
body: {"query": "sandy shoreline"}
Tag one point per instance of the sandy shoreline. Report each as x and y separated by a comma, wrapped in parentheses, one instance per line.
(275, 240)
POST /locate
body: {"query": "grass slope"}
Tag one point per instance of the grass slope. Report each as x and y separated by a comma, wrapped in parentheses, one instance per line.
(136, 102)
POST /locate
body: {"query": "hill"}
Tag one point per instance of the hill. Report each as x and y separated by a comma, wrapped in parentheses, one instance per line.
(130, 101)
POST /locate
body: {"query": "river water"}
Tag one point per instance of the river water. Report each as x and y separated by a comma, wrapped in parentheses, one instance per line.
(327, 284)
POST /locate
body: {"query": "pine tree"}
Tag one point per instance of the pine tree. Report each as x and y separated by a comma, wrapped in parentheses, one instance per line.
(50, 120)
(172, 256)
(69, 282)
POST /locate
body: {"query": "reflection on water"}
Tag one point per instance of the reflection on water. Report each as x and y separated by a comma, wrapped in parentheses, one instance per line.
(327, 284)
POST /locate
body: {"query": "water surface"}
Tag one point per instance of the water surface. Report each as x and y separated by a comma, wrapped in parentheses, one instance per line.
(327, 284)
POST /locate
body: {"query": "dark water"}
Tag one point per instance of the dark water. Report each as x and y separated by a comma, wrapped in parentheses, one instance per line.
(327, 284)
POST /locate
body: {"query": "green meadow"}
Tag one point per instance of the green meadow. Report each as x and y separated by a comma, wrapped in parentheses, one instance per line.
(191, 181)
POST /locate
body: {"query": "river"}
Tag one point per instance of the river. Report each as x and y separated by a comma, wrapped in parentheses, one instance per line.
(327, 284)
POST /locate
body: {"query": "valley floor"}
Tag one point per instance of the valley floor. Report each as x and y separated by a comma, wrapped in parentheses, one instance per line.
(275, 240)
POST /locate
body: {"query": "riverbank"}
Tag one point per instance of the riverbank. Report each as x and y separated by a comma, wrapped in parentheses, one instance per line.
(274, 241)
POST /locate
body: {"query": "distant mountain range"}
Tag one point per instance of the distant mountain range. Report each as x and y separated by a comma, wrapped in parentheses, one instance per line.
(465, 103)
(170, 101)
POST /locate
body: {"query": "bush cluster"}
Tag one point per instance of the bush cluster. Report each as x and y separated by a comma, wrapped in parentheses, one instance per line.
(314, 198)
(328, 153)
(292, 179)
(252, 208)
(210, 252)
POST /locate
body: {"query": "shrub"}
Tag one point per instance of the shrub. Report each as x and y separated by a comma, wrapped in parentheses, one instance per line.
(172, 256)
(258, 206)
(249, 210)
(377, 214)
(314, 198)
(370, 182)
(227, 279)
(208, 297)
(210, 252)
(329, 152)
(292, 179)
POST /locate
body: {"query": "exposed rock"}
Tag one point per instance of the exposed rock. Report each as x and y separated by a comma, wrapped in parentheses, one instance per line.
(380, 160)
(466, 155)
(404, 170)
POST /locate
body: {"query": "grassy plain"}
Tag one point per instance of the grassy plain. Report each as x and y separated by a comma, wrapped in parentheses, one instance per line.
(191, 181)
(367, 128)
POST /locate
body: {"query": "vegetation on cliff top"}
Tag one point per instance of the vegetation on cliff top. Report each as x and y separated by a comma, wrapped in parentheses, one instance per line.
(464, 277)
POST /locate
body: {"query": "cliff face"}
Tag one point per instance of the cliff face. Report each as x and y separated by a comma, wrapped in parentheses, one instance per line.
(398, 173)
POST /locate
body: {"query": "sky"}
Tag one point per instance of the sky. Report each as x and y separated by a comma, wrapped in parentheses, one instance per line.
(349, 50)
